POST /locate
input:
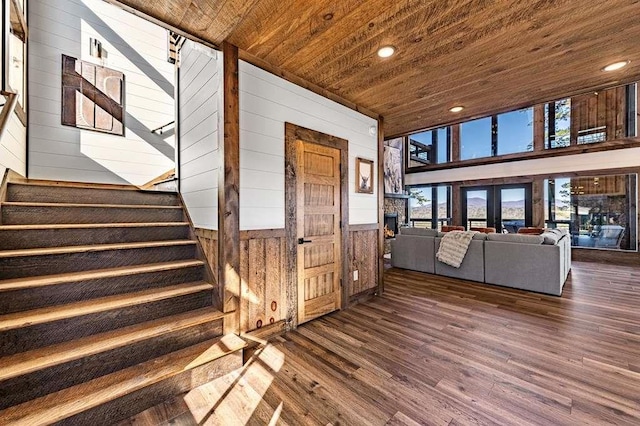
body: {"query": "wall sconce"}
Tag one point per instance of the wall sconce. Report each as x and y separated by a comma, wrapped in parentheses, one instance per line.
(95, 48)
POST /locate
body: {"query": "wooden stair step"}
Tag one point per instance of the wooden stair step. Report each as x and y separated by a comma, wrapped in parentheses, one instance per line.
(14, 237)
(24, 213)
(84, 205)
(99, 392)
(59, 260)
(56, 192)
(37, 359)
(30, 283)
(61, 312)
(67, 364)
(33, 292)
(5, 254)
(58, 226)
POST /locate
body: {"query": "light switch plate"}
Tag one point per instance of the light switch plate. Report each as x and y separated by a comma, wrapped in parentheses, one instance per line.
(355, 275)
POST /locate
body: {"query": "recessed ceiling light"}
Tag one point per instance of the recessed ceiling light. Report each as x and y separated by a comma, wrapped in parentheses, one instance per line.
(616, 66)
(456, 109)
(386, 51)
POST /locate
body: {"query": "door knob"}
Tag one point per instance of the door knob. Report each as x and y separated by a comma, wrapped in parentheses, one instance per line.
(302, 241)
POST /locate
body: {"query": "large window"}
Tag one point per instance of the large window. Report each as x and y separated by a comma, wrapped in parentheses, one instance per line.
(430, 206)
(507, 133)
(515, 131)
(430, 147)
(591, 118)
(598, 211)
(476, 139)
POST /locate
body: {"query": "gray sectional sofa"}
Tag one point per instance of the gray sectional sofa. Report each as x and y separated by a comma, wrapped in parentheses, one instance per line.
(539, 263)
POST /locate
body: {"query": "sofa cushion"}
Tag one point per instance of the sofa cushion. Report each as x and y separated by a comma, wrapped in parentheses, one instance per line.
(551, 238)
(531, 231)
(448, 228)
(516, 238)
(479, 236)
(559, 232)
(419, 231)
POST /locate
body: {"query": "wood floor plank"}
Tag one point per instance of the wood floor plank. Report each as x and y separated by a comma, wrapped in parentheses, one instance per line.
(439, 351)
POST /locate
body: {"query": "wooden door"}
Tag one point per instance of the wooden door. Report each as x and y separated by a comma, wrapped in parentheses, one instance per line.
(318, 230)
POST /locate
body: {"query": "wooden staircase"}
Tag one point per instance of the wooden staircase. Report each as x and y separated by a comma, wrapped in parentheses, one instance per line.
(107, 305)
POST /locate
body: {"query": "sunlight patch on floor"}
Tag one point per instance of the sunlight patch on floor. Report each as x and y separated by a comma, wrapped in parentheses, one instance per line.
(236, 398)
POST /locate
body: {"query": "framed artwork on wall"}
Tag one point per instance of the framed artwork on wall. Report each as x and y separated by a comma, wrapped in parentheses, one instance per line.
(364, 176)
(92, 97)
(393, 173)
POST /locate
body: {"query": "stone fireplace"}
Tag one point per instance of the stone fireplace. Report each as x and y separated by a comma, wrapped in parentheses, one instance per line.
(394, 207)
(390, 225)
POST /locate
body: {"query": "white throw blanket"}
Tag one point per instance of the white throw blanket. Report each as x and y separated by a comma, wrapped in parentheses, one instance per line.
(454, 246)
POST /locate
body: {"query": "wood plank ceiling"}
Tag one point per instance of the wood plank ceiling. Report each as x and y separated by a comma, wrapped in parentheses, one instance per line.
(488, 56)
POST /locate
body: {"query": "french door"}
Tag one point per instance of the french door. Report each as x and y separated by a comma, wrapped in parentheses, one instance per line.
(504, 207)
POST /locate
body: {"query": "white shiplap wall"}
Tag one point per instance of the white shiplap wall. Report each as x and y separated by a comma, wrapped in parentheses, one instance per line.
(570, 163)
(13, 147)
(135, 47)
(199, 99)
(266, 103)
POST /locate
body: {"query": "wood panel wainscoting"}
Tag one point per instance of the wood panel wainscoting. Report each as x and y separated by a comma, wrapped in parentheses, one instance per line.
(363, 257)
(263, 279)
(442, 351)
(209, 242)
(263, 275)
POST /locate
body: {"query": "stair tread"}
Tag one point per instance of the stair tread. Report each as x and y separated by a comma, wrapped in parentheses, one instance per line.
(37, 359)
(70, 184)
(48, 280)
(68, 402)
(90, 225)
(87, 185)
(54, 313)
(73, 205)
(92, 248)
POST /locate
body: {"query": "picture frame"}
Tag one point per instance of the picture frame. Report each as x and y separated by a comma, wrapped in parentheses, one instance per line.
(364, 176)
(393, 167)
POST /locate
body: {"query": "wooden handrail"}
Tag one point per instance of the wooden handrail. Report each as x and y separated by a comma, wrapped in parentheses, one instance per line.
(7, 109)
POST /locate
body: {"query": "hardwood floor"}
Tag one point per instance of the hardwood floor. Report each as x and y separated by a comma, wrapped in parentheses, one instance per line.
(440, 351)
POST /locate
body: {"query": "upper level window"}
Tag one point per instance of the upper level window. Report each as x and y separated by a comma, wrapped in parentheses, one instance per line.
(515, 131)
(476, 139)
(557, 124)
(430, 147)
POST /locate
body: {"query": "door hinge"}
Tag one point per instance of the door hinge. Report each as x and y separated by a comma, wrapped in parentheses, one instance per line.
(340, 224)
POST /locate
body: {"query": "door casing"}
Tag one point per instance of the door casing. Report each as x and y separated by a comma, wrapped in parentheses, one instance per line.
(294, 133)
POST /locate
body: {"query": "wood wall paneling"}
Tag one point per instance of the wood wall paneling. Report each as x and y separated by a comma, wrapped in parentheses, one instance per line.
(455, 143)
(380, 253)
(263, 279)
(456, 204)
(209, 241)
(228, 192)
(363, 257)
(538, 128)
(538, 203)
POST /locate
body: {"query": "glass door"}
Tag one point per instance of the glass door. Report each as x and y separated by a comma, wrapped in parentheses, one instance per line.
(477, 207)
(513, 208)
(504, 207)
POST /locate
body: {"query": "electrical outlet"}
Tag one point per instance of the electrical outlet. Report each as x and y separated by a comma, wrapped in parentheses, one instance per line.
(355, 275)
